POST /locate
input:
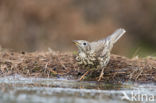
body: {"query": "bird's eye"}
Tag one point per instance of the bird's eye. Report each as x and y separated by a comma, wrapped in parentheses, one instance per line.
(84, 43)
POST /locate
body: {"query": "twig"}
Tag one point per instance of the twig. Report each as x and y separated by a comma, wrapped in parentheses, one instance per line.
(62, 64)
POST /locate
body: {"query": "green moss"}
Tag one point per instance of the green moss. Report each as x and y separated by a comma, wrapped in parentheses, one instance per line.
(75, 52)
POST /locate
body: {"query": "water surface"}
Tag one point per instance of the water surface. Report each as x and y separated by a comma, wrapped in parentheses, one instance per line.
(17, 89)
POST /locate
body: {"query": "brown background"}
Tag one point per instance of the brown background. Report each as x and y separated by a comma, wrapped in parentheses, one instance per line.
(30, 25)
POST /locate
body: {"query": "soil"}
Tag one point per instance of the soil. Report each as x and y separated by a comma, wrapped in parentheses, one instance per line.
(56, 65)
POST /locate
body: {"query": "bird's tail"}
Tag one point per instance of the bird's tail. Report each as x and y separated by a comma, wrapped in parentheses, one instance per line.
(116, 35)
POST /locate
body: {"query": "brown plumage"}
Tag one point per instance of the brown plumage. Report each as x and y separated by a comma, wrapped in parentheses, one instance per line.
(97, 54)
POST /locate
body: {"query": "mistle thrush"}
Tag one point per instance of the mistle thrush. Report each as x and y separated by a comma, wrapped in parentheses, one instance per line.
(97, 54)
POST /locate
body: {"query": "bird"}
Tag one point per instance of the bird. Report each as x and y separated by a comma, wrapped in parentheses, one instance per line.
(96, 54)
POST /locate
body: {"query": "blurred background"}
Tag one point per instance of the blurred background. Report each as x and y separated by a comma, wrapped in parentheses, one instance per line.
(34, 25)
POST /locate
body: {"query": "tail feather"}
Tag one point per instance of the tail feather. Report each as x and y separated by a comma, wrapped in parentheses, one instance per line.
(116, 35)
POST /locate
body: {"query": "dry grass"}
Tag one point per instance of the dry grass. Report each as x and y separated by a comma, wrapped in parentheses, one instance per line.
(55, 64)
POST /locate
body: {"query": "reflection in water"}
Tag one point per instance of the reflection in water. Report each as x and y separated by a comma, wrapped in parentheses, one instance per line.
(17, 89)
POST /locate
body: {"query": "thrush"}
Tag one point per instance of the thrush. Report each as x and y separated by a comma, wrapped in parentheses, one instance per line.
(96, 54)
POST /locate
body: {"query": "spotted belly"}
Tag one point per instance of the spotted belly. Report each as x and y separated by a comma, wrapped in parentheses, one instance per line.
(89, 61)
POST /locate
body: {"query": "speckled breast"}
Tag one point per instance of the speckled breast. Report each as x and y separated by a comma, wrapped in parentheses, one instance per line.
(89, 61)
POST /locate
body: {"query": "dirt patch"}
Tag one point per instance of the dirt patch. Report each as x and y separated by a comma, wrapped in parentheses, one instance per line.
(55, 64)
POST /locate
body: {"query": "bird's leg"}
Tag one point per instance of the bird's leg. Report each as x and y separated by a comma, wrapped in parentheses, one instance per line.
(101, 74)
(103, 63)
(83, 76)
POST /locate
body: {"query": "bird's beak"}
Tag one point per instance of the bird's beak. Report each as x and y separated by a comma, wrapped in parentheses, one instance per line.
(76, 42)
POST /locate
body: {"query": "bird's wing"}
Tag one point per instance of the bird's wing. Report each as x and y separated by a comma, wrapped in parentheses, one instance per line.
(98, 47)
(103, 46)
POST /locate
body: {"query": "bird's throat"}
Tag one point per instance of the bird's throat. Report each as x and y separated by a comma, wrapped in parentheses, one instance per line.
(82, 55)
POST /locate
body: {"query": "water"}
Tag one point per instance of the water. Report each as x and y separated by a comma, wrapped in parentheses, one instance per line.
(17, 89)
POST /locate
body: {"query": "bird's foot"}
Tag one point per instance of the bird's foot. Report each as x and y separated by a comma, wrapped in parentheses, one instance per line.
(101, 75)
(83, 76)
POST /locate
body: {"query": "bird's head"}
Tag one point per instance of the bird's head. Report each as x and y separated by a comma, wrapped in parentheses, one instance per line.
(82, 45)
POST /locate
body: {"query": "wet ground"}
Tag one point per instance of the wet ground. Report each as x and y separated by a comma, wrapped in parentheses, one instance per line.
(17, 89)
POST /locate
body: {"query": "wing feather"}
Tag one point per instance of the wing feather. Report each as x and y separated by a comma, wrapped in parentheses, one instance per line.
(100, 47)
